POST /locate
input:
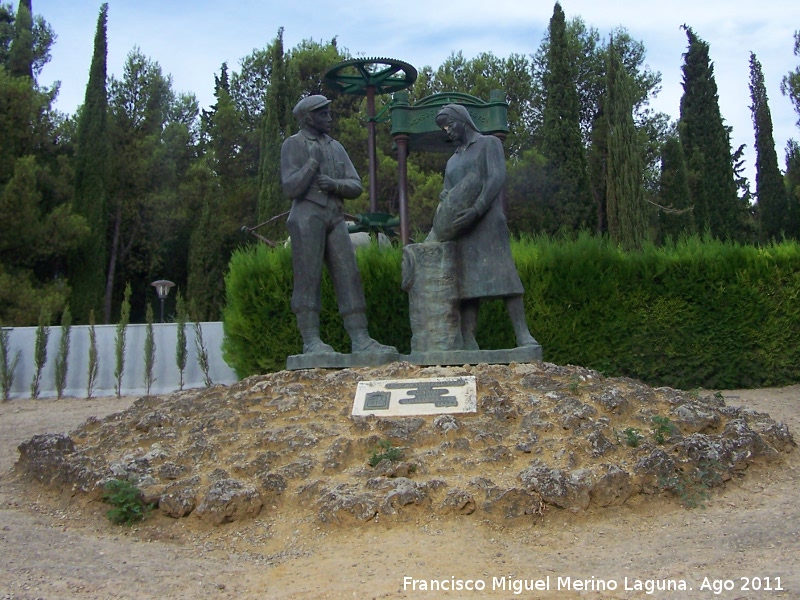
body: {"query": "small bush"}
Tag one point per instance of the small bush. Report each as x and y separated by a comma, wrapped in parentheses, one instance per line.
(94, 357)
(663, 429)
(149, 350)
(384, 451)
(181, 352)
(632, 436)
(127, 500)
(7, 364)
(202, 353)
(692, 485)
(62, 358)
(40, 350)
(119, 342)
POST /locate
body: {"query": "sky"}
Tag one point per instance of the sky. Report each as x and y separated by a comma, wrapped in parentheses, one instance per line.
(191, 40)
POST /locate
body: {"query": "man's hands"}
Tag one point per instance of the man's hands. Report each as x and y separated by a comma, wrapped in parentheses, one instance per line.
(324, 182)
(327, 184)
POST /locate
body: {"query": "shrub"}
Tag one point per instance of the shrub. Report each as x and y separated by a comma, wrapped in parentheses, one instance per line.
(93, 365)
(149, 350)
(128, 502)
(695, 313)
(40, 350)
(202, 353)
(181, 352)
(63, 353)
(260, 328)
(119, 342)
(7, 364)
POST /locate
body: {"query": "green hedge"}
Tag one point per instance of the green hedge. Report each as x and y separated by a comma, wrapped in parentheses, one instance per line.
(260, 328)
(699, 313)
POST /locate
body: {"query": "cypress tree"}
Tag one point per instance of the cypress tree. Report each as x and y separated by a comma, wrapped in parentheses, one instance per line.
(87, 264)
(276, 124)
(562, 143)
(706, 145)
(675, 212)
(207, 266)
(770, 189)
(627, 221)
(793, 189)
(598, 167)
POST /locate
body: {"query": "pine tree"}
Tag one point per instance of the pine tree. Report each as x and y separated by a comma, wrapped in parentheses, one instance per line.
(87, 266)
(770, 189)
(706, 145)
(627, 221)
(562, 143)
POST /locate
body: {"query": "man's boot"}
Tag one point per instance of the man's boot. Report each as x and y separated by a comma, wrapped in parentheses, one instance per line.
(356, 327)
(308, 324)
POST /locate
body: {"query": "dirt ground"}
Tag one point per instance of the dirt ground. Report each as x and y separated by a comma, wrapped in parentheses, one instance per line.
(745, 542)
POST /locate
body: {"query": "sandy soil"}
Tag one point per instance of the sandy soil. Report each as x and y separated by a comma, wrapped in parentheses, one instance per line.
(746, 537)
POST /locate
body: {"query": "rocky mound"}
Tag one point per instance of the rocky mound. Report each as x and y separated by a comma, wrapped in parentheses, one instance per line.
(544, 436)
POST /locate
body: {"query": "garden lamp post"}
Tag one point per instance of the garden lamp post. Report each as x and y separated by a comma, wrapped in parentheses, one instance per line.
(162, 289)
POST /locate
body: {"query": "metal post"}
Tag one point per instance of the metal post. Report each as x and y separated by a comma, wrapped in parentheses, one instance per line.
(402, 170)
(371, 148)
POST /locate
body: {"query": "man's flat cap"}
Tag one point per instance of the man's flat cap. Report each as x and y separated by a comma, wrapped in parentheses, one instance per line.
(309, 103)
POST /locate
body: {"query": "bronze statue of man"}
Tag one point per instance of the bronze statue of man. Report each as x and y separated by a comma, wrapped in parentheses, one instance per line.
(317, 174)
(471, 215)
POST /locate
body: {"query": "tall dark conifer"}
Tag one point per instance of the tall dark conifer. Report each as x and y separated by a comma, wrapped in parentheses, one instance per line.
(676, 213)
(627, 220)
(770, 189)
(20, 59)
(276, 127)
(706, 145)
(87, 266)
(562, 143)
(793, 189)
(598, 167)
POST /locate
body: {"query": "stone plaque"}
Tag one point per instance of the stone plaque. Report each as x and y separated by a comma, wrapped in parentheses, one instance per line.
(407, 397)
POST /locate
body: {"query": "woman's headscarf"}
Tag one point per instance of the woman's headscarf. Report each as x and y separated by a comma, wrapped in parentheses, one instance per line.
(456, 112)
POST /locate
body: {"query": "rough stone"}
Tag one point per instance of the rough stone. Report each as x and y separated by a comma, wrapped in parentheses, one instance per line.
(555, 486)
(612, 486)
(229, 500)
(287, 440)
(180, 498)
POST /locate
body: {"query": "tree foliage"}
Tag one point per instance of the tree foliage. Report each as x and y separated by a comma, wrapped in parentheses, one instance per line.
(142, 184)
(770, 190)
(706, 145)
(627, 223)
(790, 84)
(87, 264)
(562, 143)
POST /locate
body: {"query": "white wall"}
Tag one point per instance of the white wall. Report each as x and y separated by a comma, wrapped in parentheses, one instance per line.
(165, 369)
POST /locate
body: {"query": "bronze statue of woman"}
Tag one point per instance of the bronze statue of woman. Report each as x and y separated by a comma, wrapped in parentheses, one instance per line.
(470, 214)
